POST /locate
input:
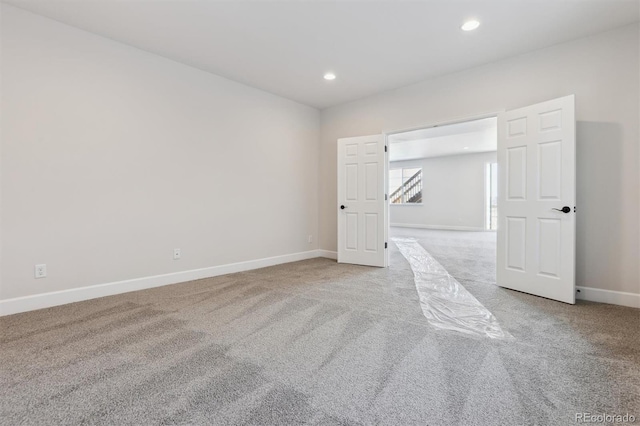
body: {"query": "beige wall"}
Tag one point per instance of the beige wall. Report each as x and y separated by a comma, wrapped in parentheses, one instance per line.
(112, 157)
(602, 71)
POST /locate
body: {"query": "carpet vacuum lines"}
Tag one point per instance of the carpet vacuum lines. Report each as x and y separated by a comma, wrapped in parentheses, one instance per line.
(445, 302)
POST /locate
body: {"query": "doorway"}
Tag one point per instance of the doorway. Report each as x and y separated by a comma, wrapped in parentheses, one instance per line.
(535, 153)
(443, 193)
(444, 177)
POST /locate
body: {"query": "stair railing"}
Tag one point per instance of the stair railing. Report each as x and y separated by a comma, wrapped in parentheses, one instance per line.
(408, 191)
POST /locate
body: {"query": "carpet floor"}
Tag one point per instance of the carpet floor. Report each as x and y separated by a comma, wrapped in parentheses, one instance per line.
(319, 343)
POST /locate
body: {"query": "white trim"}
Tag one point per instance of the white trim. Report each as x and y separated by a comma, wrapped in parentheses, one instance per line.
(387, 195)
(455, 120)
(327, 254)
(487, 194)
(55, 298)
(443, 227)
(608, 296)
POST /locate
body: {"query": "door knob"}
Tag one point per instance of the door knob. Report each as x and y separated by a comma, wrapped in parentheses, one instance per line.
(342, 207)
(565, 209)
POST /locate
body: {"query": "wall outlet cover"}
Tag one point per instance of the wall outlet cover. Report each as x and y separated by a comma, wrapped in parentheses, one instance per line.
(40, 270)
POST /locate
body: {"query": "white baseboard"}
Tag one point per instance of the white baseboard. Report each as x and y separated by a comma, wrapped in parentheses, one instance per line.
(328, 254)
(608, 296)
(441, 227)
(47, 300)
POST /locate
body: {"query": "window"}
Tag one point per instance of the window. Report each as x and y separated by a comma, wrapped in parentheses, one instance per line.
(405, 186)
(492, 196)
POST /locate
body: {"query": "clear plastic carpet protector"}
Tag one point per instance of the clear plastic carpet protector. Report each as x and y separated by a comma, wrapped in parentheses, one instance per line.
(445, 302)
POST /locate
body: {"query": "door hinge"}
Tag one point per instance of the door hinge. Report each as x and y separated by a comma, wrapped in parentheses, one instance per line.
(385, 197)
(385, 148)
(385, 245)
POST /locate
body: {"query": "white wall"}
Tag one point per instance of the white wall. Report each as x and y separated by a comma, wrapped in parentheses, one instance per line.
(602, 71)
(112, 157)
(453, 193)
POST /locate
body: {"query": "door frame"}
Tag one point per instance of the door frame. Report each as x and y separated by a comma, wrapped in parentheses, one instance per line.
(387, 133)
(487, 200)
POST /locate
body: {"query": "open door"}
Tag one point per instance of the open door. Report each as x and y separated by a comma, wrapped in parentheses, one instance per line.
(536, 199)
(361, 200)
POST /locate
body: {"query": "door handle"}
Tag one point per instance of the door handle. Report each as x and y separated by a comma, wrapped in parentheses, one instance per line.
(342, 207)
(565, 209)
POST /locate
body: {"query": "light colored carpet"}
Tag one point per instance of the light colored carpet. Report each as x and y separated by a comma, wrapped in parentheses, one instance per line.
(445, 303)
(316, 342)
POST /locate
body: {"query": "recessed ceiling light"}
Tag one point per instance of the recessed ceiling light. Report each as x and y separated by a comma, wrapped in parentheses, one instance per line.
(466, 147)
(329, 76)
(470, 25)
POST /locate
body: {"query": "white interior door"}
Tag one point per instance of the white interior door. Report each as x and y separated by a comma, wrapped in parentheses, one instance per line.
(536, 181)
(361, 203)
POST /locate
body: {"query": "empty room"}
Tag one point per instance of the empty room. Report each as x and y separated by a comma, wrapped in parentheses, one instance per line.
(319, 212)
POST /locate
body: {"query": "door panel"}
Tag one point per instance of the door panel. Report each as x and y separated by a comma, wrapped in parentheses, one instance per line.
(351, 184)
(517, 173)
(371, 232)
(536, 176)
(517, 243)
(550, 171)
(351, 242)
(361, 186)
(371, 182)
(549, 251)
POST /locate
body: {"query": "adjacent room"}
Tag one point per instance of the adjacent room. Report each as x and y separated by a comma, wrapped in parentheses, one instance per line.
(445, 177)
(322, 213)
(443, 194)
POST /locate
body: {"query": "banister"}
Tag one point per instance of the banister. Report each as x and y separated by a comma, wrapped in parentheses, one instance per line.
(408, 187)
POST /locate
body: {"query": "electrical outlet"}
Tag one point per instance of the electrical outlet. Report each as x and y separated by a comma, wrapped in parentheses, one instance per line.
(41, 271)
(177, 254)
(310, 239)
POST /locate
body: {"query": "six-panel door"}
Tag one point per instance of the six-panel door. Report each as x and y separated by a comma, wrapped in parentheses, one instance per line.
(536, 168)
(361, 204)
